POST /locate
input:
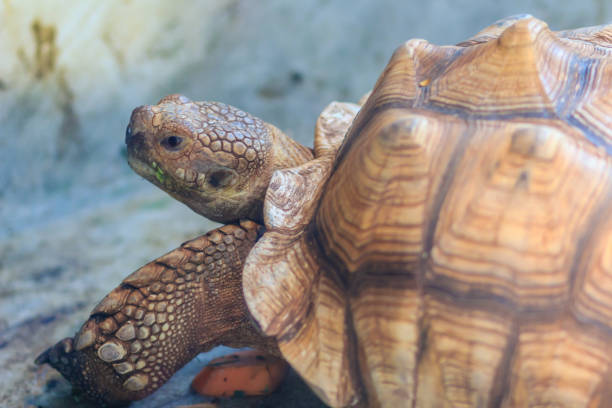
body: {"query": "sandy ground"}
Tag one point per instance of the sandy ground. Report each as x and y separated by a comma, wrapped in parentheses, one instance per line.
(53, 275)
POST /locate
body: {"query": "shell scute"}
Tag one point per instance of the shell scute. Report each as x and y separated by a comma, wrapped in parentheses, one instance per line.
(471, 84)
(592, 291)
(376, 205)
(465, 355)
(558, 363)
(484, 228)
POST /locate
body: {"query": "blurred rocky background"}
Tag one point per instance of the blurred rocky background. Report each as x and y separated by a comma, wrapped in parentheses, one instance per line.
(74, 219)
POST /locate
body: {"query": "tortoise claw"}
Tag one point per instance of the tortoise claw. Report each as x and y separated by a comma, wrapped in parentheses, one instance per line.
(43, 358)
(86, 372)
(53, 354)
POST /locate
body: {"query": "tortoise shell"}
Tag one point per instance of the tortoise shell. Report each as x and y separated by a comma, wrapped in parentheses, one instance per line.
(457, 249)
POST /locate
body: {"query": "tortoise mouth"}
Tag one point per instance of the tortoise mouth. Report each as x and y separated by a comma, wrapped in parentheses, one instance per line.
(140, 166)
(155, 174)
(150, 171)
(189, 186)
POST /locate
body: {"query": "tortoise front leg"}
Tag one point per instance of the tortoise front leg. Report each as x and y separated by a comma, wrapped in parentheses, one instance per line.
(160, 317)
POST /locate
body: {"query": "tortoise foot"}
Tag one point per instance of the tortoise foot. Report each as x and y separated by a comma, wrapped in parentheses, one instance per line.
(85, 372)
(160, 317)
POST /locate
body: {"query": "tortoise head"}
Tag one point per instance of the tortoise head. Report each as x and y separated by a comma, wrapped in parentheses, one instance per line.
(213, 157)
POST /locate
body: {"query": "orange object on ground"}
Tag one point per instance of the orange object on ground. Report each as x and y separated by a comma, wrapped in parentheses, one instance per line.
(244, 373)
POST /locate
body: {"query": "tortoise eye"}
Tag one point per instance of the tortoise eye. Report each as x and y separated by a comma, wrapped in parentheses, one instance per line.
(172, 142)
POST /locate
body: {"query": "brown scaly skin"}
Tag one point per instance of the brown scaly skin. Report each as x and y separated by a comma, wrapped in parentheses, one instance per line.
(218, 160)
(160, 317)
(213, 157)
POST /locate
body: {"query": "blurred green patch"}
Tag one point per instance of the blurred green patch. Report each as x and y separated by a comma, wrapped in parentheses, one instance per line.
(156, 204)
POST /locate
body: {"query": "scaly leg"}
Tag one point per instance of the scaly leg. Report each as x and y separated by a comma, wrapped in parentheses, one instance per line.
(160, 317)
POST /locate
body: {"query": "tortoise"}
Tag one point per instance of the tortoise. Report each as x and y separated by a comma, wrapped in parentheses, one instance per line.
(448, 243)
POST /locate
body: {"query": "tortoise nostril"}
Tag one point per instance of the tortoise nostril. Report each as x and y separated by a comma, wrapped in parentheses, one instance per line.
(128, 134)
(132, 139)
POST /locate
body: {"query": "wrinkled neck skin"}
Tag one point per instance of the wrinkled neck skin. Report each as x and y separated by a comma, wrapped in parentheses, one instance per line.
(215, 158)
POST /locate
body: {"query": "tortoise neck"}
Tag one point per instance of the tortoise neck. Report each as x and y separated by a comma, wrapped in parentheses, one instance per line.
(286, 152)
